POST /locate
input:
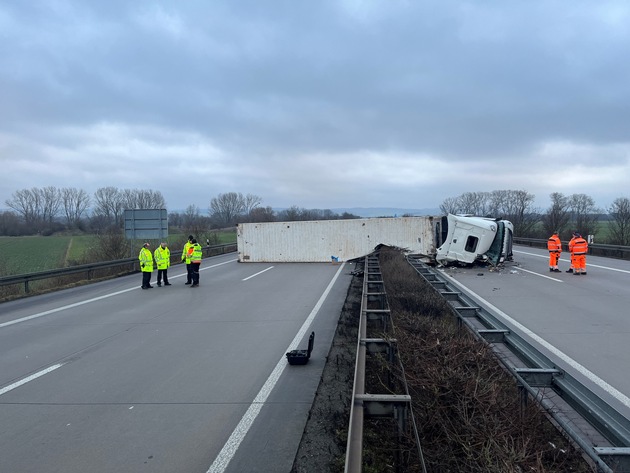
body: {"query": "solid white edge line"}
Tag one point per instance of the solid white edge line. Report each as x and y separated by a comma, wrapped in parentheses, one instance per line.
(228, 451)
(622, 398)
(77, 304)
(17, 384)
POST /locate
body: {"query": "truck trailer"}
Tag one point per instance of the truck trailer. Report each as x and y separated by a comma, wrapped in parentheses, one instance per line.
(443, 240)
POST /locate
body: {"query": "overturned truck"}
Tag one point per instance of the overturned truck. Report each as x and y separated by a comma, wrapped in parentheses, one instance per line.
(448, 239)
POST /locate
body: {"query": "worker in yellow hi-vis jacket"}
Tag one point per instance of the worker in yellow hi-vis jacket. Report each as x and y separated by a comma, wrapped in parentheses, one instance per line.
(186, 259)
(146, 265)
(163, 260)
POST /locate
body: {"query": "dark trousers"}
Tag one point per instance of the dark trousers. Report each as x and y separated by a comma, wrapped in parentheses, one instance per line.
(162, 273)
(195, 273)
(146, 278)
(189, 273)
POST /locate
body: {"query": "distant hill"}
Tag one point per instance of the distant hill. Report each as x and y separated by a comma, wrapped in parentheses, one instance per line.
(386, 211)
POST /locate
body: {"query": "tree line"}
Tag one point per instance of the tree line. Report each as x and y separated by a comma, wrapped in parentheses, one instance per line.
(565, 214)
(49, 210)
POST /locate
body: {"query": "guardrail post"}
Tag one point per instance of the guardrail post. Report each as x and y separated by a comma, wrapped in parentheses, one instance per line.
(522, 392)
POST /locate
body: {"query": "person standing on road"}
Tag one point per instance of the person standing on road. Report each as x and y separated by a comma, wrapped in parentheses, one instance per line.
(162, 260)
(146, 265)
(572, 264)
(186, 259)
(195, 253)
(554, 245)
(578, 248)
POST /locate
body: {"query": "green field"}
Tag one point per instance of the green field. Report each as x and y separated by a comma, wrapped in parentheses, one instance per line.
(30, 254)
(20, 255)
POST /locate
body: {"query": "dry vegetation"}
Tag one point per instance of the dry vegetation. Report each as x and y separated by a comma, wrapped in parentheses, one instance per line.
(466, 406)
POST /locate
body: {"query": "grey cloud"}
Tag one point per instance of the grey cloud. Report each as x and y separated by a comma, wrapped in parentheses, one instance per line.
(456, 80)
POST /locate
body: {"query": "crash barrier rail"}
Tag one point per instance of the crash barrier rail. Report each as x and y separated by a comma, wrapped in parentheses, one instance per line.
(374, 307)
(581, 414)
(595, 249)
(89, 269)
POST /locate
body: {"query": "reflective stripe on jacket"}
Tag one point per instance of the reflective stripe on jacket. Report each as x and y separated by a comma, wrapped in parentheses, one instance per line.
(195, 253)
(554, 243)
(162, 257)
(580, 246)
(146, 260)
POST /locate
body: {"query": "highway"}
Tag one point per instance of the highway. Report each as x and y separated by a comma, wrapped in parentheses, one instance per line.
(108, 377)
(580, 322)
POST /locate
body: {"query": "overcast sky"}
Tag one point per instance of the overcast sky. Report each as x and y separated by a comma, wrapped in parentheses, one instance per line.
(319, 104)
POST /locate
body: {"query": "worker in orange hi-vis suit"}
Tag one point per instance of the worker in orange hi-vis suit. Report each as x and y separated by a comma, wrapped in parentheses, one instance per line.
(578, 248)
(554, 245)
(572, 265)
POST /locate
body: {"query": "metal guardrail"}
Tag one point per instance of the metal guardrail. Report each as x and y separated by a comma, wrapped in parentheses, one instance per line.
(90, 268)
(354, 447)
(595, 249)
(560, 394)
(374, 306)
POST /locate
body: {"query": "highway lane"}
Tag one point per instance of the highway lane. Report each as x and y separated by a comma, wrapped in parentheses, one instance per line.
(158, 380)
(584, 317)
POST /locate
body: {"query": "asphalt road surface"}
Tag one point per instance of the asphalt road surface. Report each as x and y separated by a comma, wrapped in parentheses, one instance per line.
(111, 378)
(108, 377)
(580, 322)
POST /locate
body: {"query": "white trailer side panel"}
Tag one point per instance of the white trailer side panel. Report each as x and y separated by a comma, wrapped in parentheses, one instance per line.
(319, 241)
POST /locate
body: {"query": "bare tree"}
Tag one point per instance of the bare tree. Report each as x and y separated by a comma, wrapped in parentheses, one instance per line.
(309, 214)
(149, 199)
(109, 205)
(10, 224)
(584, 213)
(194, 223)
(27, 203)
(450, 205)
(51, 203)
(156, 200)
(557, 216)
(476, 203)
(515, 206)
(175, 219)
(142, 199)
(262, 214)
(75, 204)
(292, 214)
(129, 199)
(112, 202)
(226, 208)
(250, 202)
(619, 229)
(191, 214)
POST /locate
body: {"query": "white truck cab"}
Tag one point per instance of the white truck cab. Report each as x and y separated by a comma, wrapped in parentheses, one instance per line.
(470, 239)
